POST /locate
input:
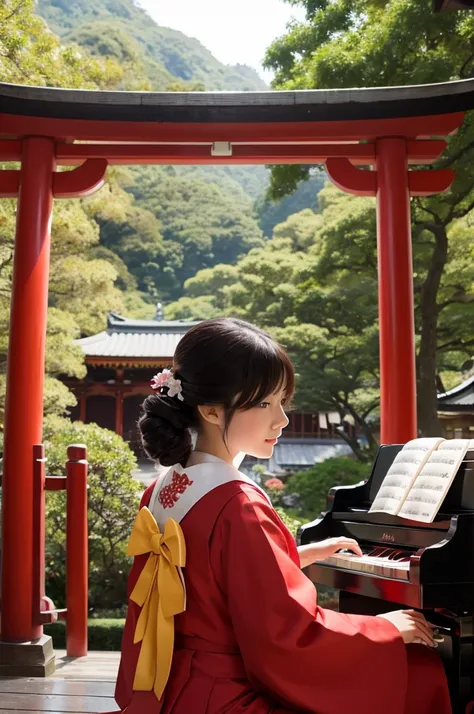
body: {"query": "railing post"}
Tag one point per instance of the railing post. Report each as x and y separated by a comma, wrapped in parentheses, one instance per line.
(77, 552)
(39, 480)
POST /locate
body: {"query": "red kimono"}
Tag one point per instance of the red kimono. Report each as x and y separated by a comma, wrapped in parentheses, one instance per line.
(253, 639)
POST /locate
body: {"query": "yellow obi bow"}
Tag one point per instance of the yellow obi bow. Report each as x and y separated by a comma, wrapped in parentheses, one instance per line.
(159, 591)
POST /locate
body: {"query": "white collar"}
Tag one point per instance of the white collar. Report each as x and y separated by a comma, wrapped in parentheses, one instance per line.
(203, 473)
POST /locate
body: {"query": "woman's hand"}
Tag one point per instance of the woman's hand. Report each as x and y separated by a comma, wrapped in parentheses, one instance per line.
(325, 548)
(412, 626)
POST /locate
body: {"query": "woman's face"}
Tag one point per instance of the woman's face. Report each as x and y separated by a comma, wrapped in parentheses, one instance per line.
(256, 431)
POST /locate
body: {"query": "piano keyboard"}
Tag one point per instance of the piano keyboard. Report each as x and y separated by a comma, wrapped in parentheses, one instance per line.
(378, 560)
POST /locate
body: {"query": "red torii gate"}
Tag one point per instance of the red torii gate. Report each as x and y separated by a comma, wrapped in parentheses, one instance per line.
(385, 130)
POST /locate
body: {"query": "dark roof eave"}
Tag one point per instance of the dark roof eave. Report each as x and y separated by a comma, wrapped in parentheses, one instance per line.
(243, 107)
(446, 407)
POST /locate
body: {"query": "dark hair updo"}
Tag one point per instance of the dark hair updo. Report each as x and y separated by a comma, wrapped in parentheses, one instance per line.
(224, 361)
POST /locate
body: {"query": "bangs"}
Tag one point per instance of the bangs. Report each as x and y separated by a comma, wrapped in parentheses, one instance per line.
(268, 371)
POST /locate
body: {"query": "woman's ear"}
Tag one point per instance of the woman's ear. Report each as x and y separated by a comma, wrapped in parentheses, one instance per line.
(212, 414)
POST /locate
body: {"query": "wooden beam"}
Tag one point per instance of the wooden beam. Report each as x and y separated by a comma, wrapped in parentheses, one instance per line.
(9, 183)
(10, 150)
(17, 125)
(419, 152)
(82, 181)
(350, 179)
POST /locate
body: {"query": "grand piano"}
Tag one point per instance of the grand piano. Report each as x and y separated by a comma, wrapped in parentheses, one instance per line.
(407, 564)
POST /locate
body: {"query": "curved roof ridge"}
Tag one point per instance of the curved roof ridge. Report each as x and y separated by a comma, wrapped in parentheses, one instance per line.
(469, 382)
(265, 97)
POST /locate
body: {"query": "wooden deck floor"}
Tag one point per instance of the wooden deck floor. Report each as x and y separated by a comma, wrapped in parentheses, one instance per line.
(79, 686)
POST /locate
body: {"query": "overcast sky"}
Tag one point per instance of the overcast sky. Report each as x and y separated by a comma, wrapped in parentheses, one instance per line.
(234, 31)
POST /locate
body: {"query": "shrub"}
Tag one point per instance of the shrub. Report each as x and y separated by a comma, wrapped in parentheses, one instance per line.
(276, 490)
(291, 523)
(112, 507)
(103, 635)
(275, 484)
(312, 486)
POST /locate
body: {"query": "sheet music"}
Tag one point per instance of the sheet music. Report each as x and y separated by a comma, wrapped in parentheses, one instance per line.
(433, 481)
(402, 474)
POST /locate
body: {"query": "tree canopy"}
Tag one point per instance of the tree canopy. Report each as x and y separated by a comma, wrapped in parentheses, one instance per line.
(359, 43)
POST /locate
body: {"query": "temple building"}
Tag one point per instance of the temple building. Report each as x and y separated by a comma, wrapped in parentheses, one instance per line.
(456, 410)
(121, 362)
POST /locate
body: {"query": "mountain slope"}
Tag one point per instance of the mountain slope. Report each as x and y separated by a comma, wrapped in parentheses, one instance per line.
(165, 55)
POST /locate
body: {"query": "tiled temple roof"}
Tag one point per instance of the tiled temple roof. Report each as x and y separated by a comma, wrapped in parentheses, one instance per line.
(136, 339)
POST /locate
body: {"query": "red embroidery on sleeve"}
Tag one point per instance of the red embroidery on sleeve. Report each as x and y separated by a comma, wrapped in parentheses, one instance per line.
(170, 494)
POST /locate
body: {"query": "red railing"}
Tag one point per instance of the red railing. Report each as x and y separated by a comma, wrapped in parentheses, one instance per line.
(75, 484)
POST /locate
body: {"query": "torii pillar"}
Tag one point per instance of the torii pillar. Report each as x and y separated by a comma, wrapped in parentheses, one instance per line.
(392, 184)
(35, 186)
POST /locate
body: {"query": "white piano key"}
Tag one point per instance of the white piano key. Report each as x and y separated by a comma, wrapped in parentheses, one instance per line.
(374, 565)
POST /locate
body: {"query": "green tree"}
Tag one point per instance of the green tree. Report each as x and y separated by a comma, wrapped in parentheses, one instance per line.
(258, 288)
(206, 294)
(347, 43)
(133, 234)
(201, 226)
(336, 371)
(31, 54)
(109, 40)
(273, 209)
(313, 486)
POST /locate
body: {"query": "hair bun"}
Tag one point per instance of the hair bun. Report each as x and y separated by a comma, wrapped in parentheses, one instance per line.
(165, 430)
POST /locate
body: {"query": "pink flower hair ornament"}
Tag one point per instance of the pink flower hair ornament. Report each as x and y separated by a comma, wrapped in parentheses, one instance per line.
(166, 379)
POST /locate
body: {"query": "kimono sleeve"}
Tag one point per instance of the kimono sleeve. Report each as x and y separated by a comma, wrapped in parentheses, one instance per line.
(303, 655)
(131, 651)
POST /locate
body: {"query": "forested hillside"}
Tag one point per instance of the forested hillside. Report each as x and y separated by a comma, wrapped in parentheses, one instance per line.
(219, 222)
(184, 218)
(164, 58)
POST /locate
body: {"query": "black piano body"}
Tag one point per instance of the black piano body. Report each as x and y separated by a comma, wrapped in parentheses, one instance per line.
(437, 575)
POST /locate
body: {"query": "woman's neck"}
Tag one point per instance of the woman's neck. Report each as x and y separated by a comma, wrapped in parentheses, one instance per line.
(215, 448)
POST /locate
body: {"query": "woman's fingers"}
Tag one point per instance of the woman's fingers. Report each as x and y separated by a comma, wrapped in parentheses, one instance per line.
(422, 628)
(349, 544)
(412, 626)
(425, 636)
(426, 629)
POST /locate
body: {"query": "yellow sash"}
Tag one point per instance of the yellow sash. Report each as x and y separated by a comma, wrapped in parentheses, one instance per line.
(159, 591)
